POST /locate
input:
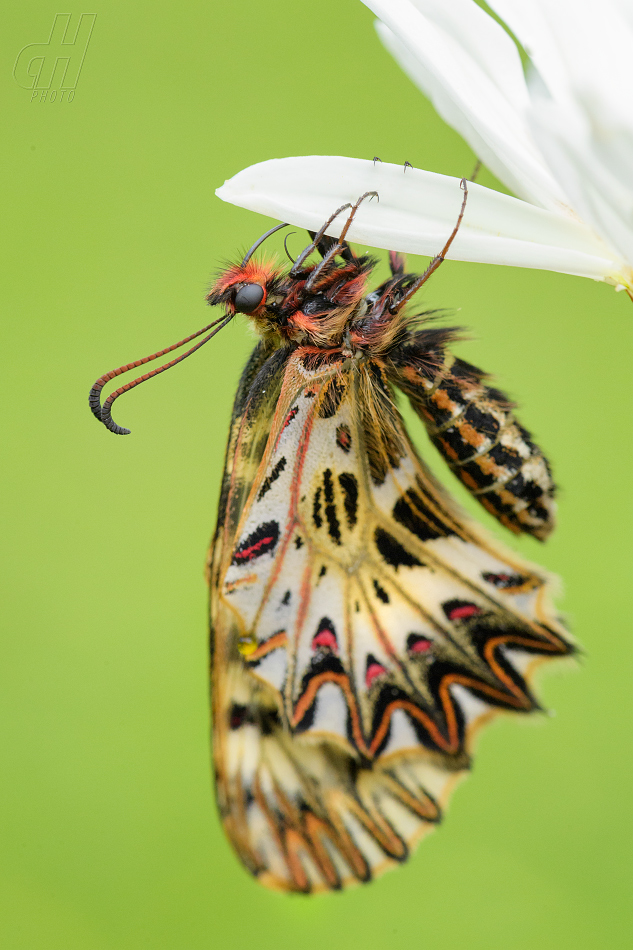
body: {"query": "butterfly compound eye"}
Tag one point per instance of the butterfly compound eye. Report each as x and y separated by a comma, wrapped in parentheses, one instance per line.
(248, 298)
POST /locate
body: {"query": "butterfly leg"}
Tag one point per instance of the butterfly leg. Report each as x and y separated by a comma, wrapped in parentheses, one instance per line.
(327, 242)
(316, 238)
(337, 247)
(435, 263)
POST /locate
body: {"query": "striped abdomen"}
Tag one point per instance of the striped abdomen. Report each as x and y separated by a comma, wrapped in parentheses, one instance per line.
(476, 431)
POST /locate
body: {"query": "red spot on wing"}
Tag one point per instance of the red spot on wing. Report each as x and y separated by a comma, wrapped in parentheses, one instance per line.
(293, 412)
(343, 437)
(238, 716)
(325, 638)
(249, 553)
(465, 610)
(373, 670)
(421, 645)
(263, 539)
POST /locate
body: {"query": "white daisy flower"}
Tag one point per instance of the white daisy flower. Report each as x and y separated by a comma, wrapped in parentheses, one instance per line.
(560, 137)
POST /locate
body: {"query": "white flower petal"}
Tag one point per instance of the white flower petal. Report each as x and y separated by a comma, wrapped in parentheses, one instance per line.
(485, 42)
(468, 96)
(455, 116)
(585, 129)
(580, 48)
(599, 196)
(530, 25)
(416, 213)
(564, 141)
(625, 9)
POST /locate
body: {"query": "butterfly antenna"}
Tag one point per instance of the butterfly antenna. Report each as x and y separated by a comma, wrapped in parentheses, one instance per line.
(261, 240)
(288, 254)
(104, 412)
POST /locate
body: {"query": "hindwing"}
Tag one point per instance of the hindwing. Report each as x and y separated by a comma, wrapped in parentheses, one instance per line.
(363, 627)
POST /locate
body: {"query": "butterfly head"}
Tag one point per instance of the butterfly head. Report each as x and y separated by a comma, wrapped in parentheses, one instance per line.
(245, 288)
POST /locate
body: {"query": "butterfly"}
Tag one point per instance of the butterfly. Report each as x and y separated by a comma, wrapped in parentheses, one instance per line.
(363, 627)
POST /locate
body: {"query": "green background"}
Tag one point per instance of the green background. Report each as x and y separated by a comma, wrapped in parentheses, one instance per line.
(111, 234)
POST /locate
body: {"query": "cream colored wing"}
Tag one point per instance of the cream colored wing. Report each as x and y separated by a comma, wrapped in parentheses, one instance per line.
(363, 630)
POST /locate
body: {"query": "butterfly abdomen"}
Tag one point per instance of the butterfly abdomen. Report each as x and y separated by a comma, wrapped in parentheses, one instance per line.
(474, 428)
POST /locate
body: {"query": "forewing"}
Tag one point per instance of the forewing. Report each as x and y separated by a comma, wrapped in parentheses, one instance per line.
(253, 408)
(363, 631)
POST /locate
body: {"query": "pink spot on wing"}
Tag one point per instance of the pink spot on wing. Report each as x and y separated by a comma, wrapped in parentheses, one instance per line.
(325, 638)
(373, 670)
(343, 437)
(251, 552)
(466, 610)
(420, 646)
(293, 412)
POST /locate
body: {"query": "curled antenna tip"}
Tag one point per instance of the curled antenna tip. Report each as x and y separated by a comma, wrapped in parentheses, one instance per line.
(104, 412)
(109, 422)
